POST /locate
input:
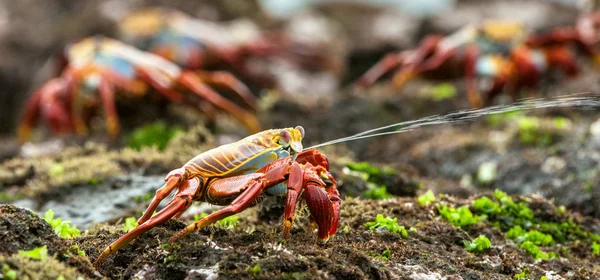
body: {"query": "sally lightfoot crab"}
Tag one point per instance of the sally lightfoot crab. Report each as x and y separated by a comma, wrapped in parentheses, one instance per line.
(98, 68)
(236, 175)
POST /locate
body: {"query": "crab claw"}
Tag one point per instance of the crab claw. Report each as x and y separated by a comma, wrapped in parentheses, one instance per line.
(324, 206)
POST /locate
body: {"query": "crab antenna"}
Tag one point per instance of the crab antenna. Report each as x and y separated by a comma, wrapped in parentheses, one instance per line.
(571, 100)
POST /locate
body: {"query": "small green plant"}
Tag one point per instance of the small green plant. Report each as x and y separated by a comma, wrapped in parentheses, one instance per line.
(346, 229)
(536, 252)
(76, 249)
(155, 134)
(385, 255)
(595, 249)
(8, 273)
(538, 238)
(229, 222)
(485, 205)
(387, 222)
(443, 91)
(64, 229)
(521, 276)
(38, 253)
(256, 270)
(459, 217)
(130, 224)
(374, 192)
(479, 244)
(426, 198)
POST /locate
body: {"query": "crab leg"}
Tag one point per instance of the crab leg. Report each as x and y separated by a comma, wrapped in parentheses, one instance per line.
(387, 64)
(181, 201)
(229, 81)
(173, 181)
(107, 95)
(253, 183)
(191, 81)
(46, 102)
(472, 53)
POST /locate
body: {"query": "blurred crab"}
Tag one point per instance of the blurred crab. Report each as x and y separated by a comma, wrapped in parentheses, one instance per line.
(97, 68)
(473, 51)
(499, 51)
(237, 175)
(197, 44)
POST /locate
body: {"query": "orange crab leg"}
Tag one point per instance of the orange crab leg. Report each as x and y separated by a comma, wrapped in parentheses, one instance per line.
(387, 64)
(472, 53)
(47, 103)
(254, 184)
(190, 80)
(173, 181)
(107, 95)
(227, 80)
(179, 204)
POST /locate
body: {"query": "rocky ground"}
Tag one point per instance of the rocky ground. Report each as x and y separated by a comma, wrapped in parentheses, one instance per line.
(547, 161)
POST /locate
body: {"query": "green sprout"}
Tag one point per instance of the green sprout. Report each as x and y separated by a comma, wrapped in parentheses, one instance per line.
(155, 134)
(38, 253)
(521, 276)
(443, 91)
(387, 222)
(374, 192)
(228, 222)
(459, 217)
(479, 244)
(536, 252)
(256, 270)
(595, 249)
(64, 229)
(8, 273)
(76, 249)
(385, 255)
(485, 205)
(426, 198)
(130, 224)
(538, 238)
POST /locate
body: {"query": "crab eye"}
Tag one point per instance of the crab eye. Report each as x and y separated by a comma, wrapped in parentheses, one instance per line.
(301, 129)
(285, 137)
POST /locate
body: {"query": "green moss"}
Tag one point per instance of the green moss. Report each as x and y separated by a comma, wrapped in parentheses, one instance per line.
(479, 244)
(22, 267)
(521, 276)
(374, 192)
(443, 91)
(536, 252)
(39, 253)
(387, 222)
(256, 270)
(228, 222)
(385, 255)
(426, 198)
(485, 205)
(75, 249)
(64, 229)
(156, 134)
(130, 224)
(595, 249)
(459, 217)
(8, 273)
(538, 238)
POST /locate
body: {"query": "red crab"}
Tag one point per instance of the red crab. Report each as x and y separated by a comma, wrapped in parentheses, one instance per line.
(497, 50)
(98, 68)
(236, 175)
